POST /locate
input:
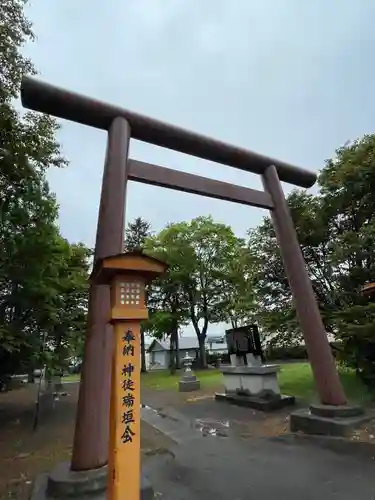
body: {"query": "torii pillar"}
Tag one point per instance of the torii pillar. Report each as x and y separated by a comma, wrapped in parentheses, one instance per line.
(90, 448)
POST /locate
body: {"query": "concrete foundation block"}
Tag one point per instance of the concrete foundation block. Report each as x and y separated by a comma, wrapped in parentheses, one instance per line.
(189, 385)
(251, 380)
(64, 484)
(257, 403)
(326, 420)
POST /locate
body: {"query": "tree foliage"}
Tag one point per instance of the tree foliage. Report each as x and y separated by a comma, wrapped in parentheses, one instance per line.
(336, 230)
(275, 307)
(136, 235)
(205, 276)
(167, 305)
(348, 188)
(43, 278)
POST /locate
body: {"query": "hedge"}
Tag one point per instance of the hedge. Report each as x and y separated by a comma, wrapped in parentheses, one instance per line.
(275, 354)
(293, 352)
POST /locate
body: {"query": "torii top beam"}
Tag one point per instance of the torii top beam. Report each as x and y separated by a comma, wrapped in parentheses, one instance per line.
(40, 96)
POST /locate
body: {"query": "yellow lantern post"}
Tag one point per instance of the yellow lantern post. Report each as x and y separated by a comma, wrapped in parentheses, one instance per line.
(126, 274)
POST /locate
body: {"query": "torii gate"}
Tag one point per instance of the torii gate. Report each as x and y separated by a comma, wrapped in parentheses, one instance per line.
(90, 449)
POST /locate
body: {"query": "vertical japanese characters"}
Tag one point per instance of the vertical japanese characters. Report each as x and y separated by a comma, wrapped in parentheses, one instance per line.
(128, 387)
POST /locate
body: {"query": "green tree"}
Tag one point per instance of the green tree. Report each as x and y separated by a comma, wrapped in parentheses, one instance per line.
(135, 236)
(276, 313)
(69, 301)
(200, 254)
(33, 265)
(166, 315)
(336, 231)
(237, 302)
(167, 302)
(348, 187)
(15, 31)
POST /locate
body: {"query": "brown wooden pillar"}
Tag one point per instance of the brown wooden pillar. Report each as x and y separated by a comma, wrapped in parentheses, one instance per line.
(327, 381)
(90, 448)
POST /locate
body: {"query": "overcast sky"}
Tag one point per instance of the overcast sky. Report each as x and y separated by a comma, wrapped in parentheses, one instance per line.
(289, 79)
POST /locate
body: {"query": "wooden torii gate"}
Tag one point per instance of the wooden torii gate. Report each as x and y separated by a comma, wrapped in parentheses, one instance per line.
(90, 450)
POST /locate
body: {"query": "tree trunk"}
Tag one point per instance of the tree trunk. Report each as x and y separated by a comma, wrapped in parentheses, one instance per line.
(172, 353)
(202, 351)
(143, 352)
(201, 334)
(178, 362)
(174, 331)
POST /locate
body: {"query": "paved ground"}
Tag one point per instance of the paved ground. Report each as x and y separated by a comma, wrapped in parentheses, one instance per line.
(227, 469)
(215, 459)
(216, 452)
(242, 422)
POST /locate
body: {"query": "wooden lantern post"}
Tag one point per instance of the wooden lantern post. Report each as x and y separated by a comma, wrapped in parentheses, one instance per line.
(127, 275)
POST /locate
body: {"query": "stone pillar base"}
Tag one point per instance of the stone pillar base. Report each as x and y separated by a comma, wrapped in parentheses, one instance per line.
(63, 484)
(189, 384)
(328, 420)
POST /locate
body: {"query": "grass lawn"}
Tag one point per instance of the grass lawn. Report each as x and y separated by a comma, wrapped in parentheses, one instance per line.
(71, 378)
(161, 379)
(295, 379)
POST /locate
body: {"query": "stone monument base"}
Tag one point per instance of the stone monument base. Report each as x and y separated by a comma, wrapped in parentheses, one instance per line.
(257, 402)
(253, 386)
(63, 484)
(189, 384)
(328, 420)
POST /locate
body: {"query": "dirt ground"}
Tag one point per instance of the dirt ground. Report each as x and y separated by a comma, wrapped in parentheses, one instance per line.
(24, 453)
